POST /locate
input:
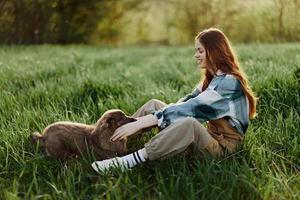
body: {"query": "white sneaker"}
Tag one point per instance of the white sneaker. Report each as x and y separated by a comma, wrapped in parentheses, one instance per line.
(104, 165)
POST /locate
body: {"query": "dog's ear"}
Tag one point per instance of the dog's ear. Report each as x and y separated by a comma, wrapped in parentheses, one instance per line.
(100, 128)
(132, 119)
(110, 121)
(125, 120)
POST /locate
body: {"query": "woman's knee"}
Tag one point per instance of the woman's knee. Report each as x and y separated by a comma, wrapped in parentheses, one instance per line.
(156, 102)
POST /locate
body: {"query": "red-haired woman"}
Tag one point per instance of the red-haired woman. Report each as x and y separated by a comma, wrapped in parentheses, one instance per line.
(223, 99)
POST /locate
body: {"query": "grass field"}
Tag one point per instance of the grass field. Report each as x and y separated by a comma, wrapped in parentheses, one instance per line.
(44, 84)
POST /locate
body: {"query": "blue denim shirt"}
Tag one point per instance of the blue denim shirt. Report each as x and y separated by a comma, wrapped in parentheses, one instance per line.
(224, 97)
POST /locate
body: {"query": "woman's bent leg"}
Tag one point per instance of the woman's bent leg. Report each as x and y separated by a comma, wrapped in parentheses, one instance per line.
(149, 107)
(178, 136)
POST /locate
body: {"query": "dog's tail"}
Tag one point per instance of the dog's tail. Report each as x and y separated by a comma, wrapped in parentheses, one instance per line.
(36, 137)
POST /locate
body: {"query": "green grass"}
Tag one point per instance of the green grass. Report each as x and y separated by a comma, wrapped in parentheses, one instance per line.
(43, 84)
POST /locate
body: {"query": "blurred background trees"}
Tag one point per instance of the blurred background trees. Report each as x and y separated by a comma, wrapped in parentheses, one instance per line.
(146, 21)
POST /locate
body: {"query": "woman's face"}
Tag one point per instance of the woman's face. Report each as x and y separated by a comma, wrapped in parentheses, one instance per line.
(200, 54)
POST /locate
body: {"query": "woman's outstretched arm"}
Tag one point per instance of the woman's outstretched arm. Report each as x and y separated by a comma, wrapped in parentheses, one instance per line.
(133, 127)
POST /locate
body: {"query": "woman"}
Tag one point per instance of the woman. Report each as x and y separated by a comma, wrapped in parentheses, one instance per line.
(223, 99)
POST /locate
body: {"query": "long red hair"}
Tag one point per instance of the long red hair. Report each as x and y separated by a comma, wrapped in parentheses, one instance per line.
(219, 55)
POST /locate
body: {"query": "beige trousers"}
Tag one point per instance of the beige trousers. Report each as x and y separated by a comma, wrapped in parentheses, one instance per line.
(179, 136)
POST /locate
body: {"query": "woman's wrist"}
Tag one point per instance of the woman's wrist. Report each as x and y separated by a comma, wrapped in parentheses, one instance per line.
(147, 121)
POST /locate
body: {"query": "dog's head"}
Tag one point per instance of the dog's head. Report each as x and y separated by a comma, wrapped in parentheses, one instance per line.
(114, 119)
(105, 128)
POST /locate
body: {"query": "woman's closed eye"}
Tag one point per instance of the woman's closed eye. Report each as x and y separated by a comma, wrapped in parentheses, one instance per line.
(201, 50)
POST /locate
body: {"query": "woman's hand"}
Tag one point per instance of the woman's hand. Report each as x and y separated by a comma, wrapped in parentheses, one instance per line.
(125, 131)
(133, 127)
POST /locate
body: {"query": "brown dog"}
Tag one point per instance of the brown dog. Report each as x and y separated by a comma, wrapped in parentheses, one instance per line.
(63, 140)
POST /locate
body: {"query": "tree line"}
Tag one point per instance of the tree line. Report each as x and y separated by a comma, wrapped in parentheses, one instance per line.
(145, 21)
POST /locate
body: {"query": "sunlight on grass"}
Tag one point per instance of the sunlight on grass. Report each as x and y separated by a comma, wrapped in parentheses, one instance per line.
(44, 84)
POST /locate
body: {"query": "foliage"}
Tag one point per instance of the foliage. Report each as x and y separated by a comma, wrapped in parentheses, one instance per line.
(141, 21)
